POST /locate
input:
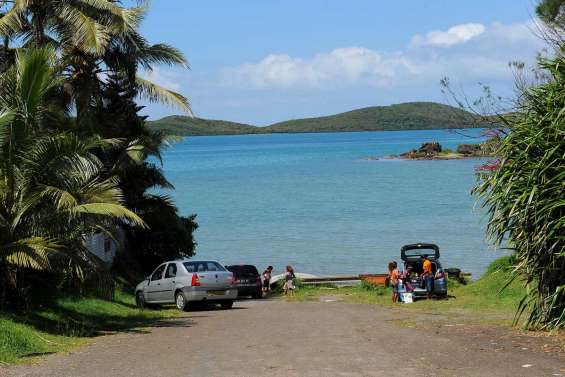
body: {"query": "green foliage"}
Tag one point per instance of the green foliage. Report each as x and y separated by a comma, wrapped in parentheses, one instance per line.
(64, 178)
(503, 265)
(167, 235)
(68, 322)
(192, 126)
(406, 116)
(551, 11)
(524, 198)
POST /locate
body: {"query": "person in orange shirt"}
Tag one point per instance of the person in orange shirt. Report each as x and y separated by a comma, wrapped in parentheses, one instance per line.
(427, 275)
(393, 276)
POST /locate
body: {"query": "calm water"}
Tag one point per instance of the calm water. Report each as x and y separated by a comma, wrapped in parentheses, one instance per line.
(310, 200)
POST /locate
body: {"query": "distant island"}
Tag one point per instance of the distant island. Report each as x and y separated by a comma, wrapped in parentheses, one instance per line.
(434, 151)
(405, 116)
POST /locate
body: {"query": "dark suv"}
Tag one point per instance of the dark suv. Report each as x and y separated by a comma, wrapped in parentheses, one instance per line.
(412, 257)
(247, 280)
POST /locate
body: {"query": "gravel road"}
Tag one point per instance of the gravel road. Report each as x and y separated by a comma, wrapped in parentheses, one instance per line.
(322, 338)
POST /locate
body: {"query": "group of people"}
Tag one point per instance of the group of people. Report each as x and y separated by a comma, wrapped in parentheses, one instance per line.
(404, 279)
(288, 277)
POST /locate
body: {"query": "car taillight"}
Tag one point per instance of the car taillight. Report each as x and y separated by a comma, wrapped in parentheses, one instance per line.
(258, 279)
(233, 279)
(195, 281)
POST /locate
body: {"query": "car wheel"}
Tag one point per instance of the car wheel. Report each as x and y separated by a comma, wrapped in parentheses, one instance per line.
(140, 300)
(180, 301)
(227, 304)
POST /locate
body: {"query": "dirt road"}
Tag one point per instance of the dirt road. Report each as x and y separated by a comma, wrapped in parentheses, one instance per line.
(324, 338)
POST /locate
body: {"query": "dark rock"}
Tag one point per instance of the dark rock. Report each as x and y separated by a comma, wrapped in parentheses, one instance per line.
(430, 148)
(469, 149)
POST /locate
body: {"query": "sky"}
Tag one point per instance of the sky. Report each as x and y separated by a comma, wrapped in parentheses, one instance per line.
(264, 61)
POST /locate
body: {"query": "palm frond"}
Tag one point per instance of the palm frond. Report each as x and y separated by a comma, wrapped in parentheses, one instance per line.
(108, 210)
(12, 22)
(6, 117)
(162, 54)
(35, 77)
(86, 33)
(157, 93)
(30, 252)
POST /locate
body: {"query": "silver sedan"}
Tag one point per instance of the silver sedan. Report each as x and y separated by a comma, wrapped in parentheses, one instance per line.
(187, 281)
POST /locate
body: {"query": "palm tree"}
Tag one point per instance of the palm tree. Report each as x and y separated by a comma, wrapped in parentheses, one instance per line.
(52, 192)
(126, 54)
(136, 161)
(94, 38)
(82, 24)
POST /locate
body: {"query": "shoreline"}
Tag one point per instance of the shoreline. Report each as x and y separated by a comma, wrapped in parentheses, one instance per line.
(435, 158)
(326, 132)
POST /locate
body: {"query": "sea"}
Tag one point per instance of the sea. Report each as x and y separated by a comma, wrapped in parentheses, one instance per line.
(318, 202)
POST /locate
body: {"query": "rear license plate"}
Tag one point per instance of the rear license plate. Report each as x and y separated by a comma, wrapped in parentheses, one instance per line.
(216, 293)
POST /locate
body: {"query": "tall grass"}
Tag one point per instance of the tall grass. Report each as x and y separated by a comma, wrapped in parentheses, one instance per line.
(525, 198)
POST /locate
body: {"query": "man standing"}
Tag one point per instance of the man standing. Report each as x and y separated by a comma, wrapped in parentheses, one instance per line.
(427, 275)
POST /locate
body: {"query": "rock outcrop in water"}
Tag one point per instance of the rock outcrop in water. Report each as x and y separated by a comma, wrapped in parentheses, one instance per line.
(429, 150)
(434, 151)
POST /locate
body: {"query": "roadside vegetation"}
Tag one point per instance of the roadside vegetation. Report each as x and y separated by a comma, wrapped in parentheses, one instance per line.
(67, 322)
(522, 190)
(75, 156)
(522, 187)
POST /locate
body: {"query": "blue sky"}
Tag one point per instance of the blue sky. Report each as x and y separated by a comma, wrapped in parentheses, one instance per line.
(262, 61)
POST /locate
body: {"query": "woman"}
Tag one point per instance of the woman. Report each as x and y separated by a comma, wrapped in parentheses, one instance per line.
(289, 281)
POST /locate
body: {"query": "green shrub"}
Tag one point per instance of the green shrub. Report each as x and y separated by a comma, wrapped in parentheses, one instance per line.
(523, 194)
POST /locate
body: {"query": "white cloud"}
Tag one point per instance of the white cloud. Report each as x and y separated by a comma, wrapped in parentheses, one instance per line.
(477, 53)
(340, 66)
(454, 35)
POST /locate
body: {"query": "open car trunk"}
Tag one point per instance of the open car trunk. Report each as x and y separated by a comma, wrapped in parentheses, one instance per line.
(415, 252)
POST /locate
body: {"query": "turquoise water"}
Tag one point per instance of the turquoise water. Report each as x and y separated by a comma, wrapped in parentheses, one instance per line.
(312, 201)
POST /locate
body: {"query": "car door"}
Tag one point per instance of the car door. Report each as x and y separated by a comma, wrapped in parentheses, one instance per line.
(168, 284)
(154, 287)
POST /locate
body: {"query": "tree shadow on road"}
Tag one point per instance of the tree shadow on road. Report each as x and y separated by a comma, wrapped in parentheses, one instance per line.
(86, 317)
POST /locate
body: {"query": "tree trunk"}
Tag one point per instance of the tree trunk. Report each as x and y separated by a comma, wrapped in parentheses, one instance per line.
(9, 283)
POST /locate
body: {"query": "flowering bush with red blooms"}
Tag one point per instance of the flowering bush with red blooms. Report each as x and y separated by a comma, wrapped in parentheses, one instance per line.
(524, 194)
(489, 166)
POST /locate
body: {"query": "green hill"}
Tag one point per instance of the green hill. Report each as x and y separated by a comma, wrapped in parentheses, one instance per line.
(189, 126)
(406, 116)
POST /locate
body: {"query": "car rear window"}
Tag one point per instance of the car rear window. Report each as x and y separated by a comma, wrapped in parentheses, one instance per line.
(203, 266)
(244, 270)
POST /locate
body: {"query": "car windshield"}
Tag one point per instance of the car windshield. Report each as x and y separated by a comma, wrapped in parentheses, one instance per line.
(203, 266)
(244, 270)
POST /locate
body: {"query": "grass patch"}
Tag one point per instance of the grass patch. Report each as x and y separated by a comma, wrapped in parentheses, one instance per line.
(69, 322)
(490, 294)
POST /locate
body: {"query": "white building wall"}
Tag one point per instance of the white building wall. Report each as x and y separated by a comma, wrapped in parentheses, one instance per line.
(104, 247)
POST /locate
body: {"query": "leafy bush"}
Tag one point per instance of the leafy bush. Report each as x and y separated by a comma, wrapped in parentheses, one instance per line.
(523, 193)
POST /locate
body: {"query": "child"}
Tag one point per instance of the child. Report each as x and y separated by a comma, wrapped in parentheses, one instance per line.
(406, 279)
(267, 279)
(393, 276)
(289, 281)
